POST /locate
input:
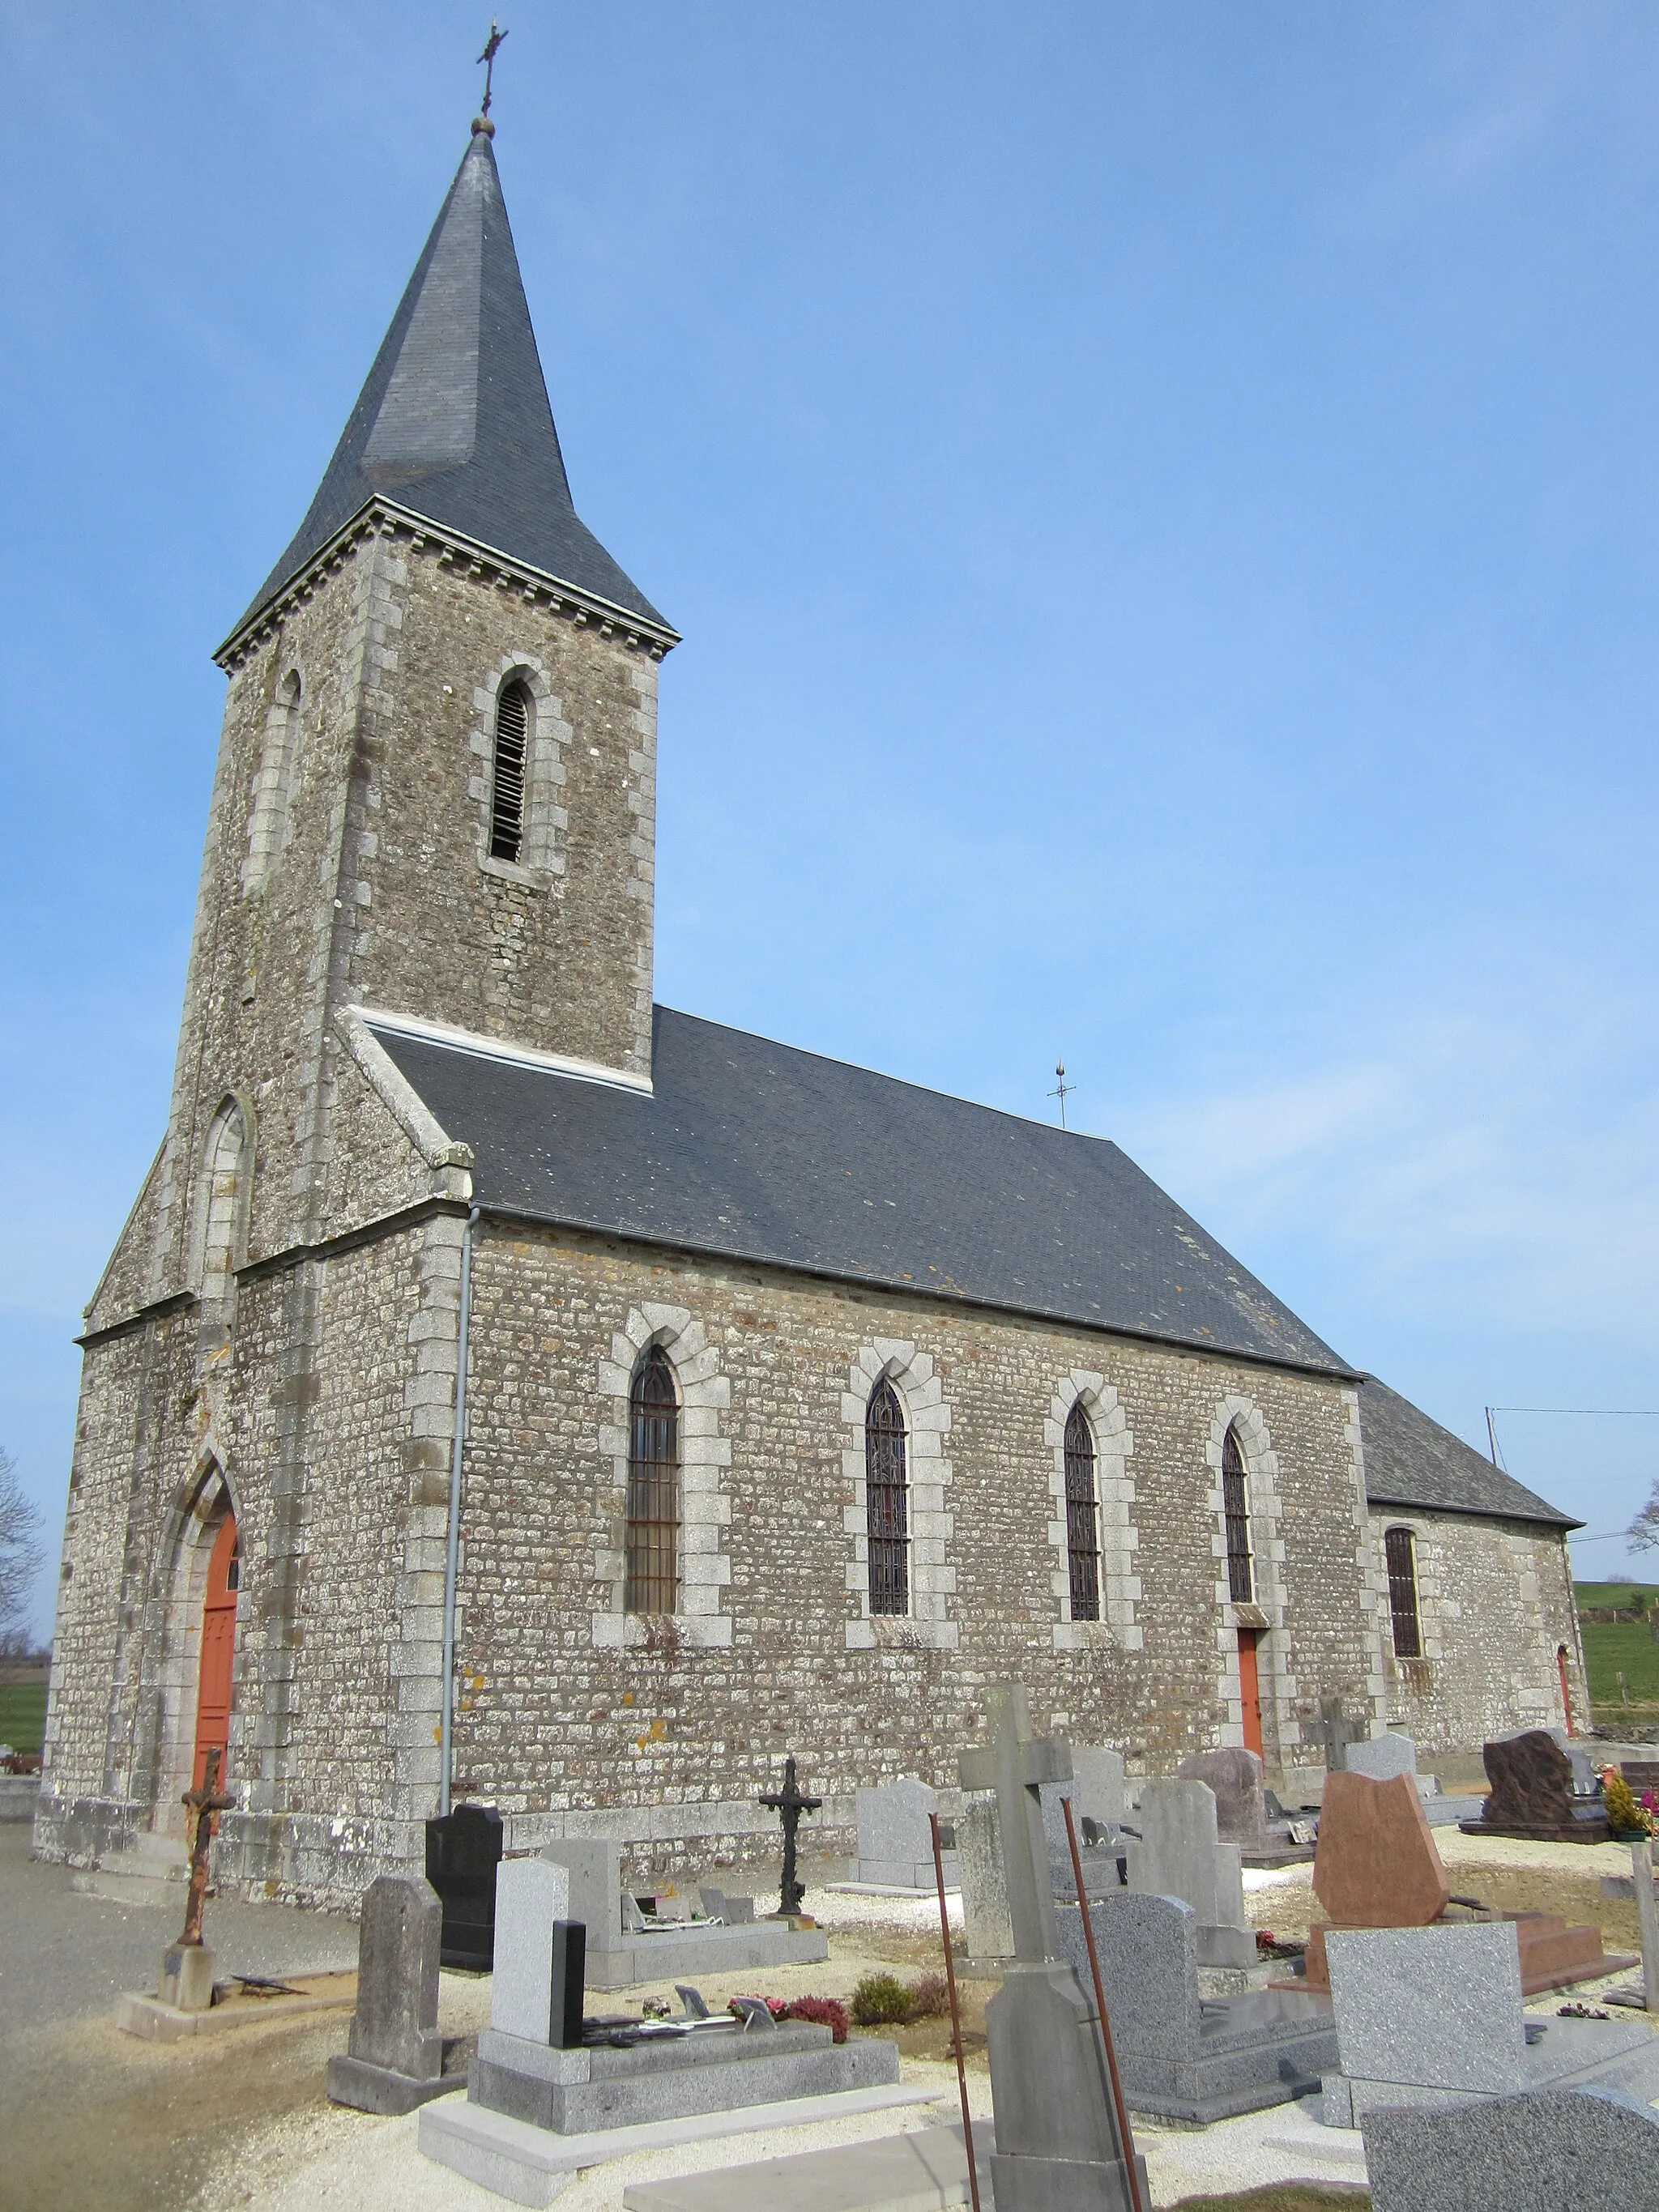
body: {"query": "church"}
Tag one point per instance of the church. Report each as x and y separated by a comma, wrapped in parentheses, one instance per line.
(506, 1388)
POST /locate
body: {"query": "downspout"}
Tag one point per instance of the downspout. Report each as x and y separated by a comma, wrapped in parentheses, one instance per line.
(453, 1553)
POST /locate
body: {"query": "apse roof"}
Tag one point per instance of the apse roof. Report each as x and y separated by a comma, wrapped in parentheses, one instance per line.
(453, 423)
(1412, 1461)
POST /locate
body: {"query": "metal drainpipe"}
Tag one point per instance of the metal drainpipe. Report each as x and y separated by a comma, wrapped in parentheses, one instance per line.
(453, 1554)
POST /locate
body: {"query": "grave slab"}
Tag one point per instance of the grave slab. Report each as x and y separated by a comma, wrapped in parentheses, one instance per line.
(1180, 2057)
(1532, 1793)
(1519, 2153)
(532, 2165)
(618, 1961)
(1433, 2016)
(917, 2171)
(896, 1845)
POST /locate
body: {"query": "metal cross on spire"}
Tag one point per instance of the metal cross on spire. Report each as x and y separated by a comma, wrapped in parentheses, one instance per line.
(1064, 1092)
(492, 47)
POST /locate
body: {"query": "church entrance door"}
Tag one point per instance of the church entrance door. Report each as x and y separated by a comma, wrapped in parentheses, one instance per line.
(218, 1652)
(1249, 1685)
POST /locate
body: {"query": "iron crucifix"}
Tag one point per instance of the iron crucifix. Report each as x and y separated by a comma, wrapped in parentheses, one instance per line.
(492, 47)
(789, 1804)
(201, 1805)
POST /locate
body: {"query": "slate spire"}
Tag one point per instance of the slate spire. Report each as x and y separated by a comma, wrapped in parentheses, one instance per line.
(453, 422)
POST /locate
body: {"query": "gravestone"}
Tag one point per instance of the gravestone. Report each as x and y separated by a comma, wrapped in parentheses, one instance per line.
(896, 1843)
(1525, 2153)
(618, 1956)
(536, 1955)
(592, 1868)
(462, 1850)
(394, 2057)
(1241, 1811)
(1179, 1855)
(1097, 1786)
(1058, 2140)
(724, 1905)
(1181, 2056)
(1433, 2015)
(1335, 1732)
(1382, 1757)
(1532, 1793)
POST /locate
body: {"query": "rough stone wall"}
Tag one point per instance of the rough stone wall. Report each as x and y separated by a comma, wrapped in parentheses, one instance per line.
(1494, 1606)
(555, 1722)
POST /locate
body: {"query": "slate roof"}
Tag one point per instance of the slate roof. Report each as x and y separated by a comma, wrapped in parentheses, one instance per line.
(758, 1151)
(1412, 1461)
(453, 422)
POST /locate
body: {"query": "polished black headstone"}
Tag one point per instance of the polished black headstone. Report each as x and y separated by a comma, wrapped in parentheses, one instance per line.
(462, 1850)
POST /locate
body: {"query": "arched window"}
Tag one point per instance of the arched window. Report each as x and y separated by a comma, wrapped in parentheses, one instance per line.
(1400, 1552)
(1082, 1516)
(887, 1515)
(221, 1207)
(507, 785)
(652, 1584)
(273, 786)
(1235, 1510)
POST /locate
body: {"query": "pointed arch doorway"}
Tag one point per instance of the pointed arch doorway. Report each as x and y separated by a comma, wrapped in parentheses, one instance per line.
(218, 1652)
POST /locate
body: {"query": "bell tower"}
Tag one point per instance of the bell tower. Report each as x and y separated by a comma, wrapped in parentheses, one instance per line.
(435, 790)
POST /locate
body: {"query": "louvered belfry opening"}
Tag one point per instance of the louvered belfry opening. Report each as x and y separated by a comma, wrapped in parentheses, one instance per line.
(1235, 1509)
(1082, 1517)
(651, 1582)
(1401, 1554)
(887, 1516)
(507, 787)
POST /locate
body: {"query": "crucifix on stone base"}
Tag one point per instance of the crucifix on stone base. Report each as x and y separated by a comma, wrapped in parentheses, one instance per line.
(1060, 2144)
(187, 1967)
(789, 1804)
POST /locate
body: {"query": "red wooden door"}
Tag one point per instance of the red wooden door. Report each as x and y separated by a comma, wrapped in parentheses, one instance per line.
(1250, 1685)
(1566, 1693)
(218, 1650)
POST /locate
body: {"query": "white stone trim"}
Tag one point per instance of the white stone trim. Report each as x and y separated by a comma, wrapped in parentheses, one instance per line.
(1115, 1495)
(502, 1048)
(1277, 1688)
(397, 1095)
(271, 808)
(705, 1507)
(541, 853)
(928, 1625)
(1375, 1627)
(224, 1183)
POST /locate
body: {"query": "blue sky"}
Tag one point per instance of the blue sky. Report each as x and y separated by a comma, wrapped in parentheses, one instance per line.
(1160, 500)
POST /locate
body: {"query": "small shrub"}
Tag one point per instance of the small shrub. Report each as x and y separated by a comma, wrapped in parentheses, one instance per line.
(1625, 1816)
(930, 1996)
(881, 2001)
(824, 2012)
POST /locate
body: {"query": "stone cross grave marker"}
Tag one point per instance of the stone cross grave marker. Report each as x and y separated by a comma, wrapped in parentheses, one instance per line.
(1059, 2144)
(393, 2060)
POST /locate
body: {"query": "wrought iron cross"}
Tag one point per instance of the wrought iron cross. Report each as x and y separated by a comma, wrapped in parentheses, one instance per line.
(789, 1804)
(1064, 1092)
(201, 1805)
(492, 47)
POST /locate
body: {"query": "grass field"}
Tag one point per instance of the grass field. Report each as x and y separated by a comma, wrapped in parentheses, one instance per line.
(1613, 1647)
(22, 1715)
(1612, 1593)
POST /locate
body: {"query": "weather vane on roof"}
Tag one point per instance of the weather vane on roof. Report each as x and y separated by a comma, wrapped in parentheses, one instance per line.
(1064, 1092)
(492, 47)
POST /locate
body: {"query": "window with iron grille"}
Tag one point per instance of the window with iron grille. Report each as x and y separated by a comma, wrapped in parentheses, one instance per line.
(887, 1515)
(507, 788)
(1401, 1553)
(652, 1584)
(1234, 1505)
(1082, 1516)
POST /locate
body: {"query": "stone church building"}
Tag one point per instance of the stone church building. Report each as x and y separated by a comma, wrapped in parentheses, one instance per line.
(709, 1399)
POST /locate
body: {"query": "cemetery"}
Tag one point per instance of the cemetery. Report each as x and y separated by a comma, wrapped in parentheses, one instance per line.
(521, 2020)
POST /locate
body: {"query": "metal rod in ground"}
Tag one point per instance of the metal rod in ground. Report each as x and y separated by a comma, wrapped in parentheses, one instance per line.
(1124, 2135)
(956, 2015)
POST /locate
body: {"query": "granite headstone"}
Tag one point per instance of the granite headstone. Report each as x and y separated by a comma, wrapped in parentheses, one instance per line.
(1383, 1757)
(1525, 2153)
(1235, 1776)
(462, 1850)
(1179, 1855)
